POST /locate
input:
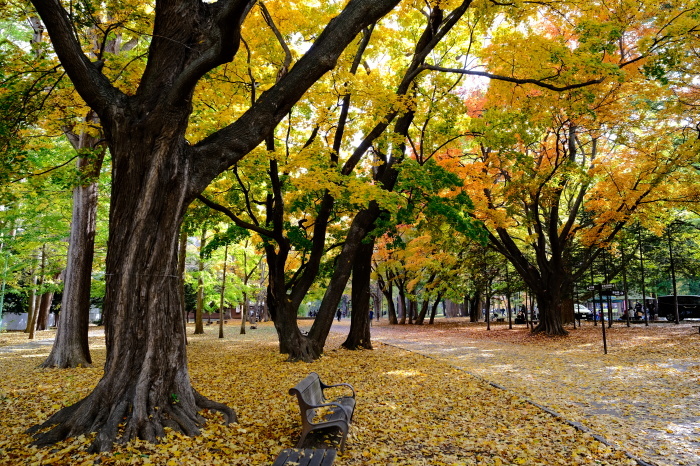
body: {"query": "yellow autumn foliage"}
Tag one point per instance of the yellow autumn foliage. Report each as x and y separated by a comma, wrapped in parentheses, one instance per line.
(411, 410)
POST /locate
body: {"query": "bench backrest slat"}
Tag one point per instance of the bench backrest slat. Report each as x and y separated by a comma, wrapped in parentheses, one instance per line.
(309, 390)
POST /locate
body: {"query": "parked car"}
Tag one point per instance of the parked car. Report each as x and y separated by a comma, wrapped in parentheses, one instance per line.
(582, 312)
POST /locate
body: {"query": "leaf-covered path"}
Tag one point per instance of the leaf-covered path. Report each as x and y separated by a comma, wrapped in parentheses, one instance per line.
(412, 410)
(643, 396)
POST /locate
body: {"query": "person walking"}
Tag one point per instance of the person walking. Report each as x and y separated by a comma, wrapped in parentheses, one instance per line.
(338, 315)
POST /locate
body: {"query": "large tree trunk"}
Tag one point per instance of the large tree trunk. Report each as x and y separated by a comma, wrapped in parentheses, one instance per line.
(359, 336)
(549, 304)
(475, 307)
(146, 385)
(156, 173)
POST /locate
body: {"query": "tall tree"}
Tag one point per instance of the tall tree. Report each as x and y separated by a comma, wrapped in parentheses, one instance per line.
(156, 173)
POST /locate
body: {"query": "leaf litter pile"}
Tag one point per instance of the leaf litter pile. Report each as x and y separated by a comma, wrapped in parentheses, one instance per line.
(411, 409)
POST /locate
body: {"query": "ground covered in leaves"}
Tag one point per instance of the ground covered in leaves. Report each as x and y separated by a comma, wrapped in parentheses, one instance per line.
(412, 409)
(643, 396)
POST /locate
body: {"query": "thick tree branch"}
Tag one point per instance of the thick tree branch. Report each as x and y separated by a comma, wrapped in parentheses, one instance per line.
(86, 76)
(222, 149)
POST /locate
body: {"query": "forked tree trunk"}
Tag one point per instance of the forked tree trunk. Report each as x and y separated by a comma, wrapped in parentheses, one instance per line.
(298, 346)
(359, 336)
(146, 385)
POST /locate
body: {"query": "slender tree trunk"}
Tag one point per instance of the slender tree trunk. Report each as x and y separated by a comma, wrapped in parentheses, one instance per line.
(403, 308)
(426, 303)
(42, 322)
(32, 310)
(359, 336)
(244, 313)
(182, 256)
(423, 311)
(71, 348)
(37, 298)
(223, 293)
(198, 322)
(388, 291)
(433, 311)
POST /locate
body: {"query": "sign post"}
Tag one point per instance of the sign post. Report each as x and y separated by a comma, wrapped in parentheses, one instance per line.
(602, 316)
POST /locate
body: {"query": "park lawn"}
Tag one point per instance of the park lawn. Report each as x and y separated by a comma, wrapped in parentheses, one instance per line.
(411, 410)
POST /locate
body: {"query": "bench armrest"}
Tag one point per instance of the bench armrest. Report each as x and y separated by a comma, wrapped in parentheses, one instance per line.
(324, 386)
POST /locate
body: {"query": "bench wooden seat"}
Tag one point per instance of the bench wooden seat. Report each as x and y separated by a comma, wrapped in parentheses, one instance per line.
(697, 327)
(305, 457)
(319, 413)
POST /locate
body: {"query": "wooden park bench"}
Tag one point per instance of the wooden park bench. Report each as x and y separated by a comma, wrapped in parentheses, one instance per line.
(319, 413)
(305, 457)
(697, 327)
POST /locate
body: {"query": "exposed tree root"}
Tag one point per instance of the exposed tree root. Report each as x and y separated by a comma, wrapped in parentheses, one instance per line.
(118, 421)
(66, 359)
(357, 345)
(550, 330)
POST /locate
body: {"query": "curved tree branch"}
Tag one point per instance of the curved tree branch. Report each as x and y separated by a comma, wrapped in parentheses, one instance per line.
(91, 84)
(222, 149)
(237, 220)
(536, 82)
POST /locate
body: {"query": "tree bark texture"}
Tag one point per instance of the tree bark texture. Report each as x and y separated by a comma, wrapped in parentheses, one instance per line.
(31, 305)
(146, 380)
(433, 310)
(181, 258)
(198, 319)
(71, 348)
(359, 336)
(42, 322)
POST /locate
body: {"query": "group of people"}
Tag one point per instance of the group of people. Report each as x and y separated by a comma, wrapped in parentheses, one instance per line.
(638, 312)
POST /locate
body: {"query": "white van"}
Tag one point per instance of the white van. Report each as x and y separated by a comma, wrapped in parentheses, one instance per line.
(582, 312)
